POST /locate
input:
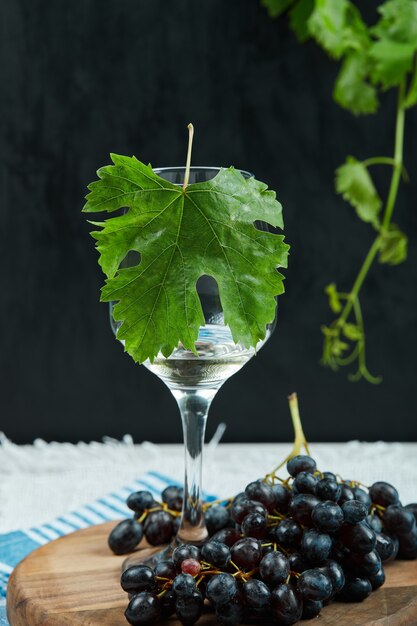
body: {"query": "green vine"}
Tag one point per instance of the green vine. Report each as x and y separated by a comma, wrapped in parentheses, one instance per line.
(374, 59)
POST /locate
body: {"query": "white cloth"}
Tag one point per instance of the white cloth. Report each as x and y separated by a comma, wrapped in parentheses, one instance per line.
(45, 480)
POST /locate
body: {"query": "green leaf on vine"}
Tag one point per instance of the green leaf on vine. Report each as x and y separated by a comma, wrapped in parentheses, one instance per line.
(352, 331)
(352, 91)
(181, 234)
(275, 8)
(334, 301)
(392, 60)
(299, 16)
(355, 34)
(398, 21)
(393, 248)
(355, 185)
(326, 24)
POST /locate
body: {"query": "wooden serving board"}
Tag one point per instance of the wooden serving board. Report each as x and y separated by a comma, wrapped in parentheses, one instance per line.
(74, 581)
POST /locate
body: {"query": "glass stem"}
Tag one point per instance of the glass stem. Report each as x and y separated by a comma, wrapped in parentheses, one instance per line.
(194, 405)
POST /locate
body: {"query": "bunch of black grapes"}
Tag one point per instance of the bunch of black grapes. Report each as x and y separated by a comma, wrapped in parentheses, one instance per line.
(279, 551)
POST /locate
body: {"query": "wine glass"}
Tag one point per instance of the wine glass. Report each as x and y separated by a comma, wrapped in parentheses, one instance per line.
(194, 380)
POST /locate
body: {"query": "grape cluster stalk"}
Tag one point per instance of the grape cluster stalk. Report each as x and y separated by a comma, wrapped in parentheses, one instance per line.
(277, 552)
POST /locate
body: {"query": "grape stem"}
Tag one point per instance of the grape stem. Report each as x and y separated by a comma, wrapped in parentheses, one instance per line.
(300, 440)
(188, 164)
(207, 505)
(336, 331)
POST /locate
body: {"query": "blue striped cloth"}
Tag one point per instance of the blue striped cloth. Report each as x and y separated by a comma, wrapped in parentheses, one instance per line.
(14, 546)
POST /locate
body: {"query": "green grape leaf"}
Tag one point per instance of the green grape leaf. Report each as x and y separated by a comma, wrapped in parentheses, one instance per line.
(327, 23)
(275, 8)
(352, 91)
(206, 229)
(334, 301)
(352, 331)
(391, 61)
(411, 97)
(355, 32)
(299, 16)
(398, 21)
(355, 185)
(393, 247)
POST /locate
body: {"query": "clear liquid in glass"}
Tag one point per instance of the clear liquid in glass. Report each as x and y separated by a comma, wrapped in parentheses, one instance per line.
(219, 357)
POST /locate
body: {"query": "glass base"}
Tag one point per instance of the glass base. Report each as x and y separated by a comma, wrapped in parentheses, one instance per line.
(151, 555)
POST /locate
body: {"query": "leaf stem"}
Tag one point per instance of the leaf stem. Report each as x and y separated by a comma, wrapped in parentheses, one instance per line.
(389, 207)
(379, 161)
(398, 158)
(386, 161)
(188, 164)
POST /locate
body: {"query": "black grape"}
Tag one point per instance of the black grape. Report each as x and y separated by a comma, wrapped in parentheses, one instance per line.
(315, 546)
(125, 536)
(358, 537)
(158, 528)
(165, 569)
(408, 545)
(229, 536)
(140, 501)
(221, 589)
(288, 534)
(243, 507)
(311, 608)
(261, 492)
(378, 579)
(173, 497)
(314, 585)
(327, 516)
(189, 607)
(386, 546)
(138, 578)
(362, 496)
(335, 573)
(301, 463)
(364, 564)
(217, 517)
(254, 525)
(183, 552)
(246, 552)
(383, 494)
(216, 553)
(301, 507)
(287, 606)
(184, 584)
(398, 520)
(143, 608)
(354, 511)
(274, 568)
(282, 497)
(256, 594)
(413, 508)
(346, 494)
(328, 489)
(356, 589)
(305, 482)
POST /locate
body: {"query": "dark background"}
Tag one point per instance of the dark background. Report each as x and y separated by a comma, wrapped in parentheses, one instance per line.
(83, 78)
